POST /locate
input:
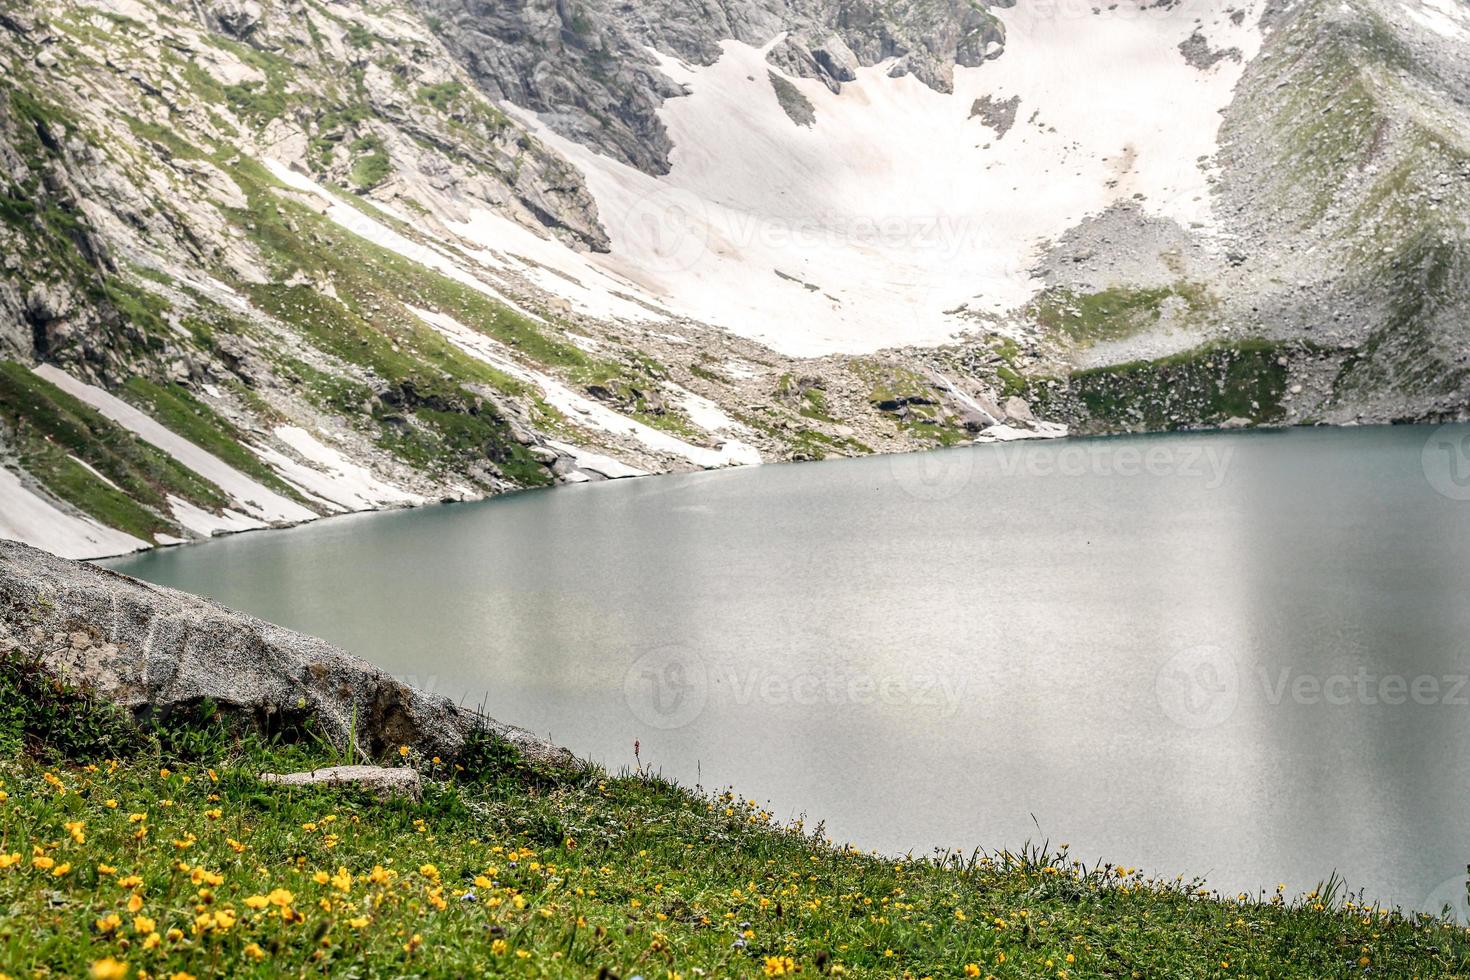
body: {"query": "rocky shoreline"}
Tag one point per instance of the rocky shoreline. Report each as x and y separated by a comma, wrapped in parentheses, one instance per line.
(157, 652)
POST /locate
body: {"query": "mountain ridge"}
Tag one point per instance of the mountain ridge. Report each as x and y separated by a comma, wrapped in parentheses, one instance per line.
(322, 253)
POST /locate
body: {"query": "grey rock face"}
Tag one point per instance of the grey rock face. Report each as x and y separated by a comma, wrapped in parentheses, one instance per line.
(380, 780)
(239, 18)
(587, 71)
(154, 651)
(796, 105)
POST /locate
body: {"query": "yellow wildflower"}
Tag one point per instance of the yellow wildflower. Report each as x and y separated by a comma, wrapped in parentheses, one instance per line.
(109, 968)
(257, 901)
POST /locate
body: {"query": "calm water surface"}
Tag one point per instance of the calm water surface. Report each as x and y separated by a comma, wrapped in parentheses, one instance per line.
(1241, 656)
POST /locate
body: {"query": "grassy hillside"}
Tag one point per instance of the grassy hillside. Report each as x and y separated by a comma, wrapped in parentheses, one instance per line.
(159, 853)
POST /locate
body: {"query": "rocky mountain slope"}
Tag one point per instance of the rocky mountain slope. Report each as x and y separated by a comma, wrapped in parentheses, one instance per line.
(269, 260)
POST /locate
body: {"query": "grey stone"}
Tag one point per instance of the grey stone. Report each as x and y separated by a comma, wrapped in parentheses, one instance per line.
(1017, 409)
(379, 780)
(154, 651)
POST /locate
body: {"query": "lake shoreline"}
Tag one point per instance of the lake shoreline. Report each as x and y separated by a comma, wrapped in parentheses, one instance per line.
(450, 501)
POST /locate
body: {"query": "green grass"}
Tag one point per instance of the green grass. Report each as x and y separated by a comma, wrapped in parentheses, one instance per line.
(442, 412)
(442, 96)
(1115, 313)
(176, 409)
(1203, 386)
(370, 170)
(159, 851)
(47, 426)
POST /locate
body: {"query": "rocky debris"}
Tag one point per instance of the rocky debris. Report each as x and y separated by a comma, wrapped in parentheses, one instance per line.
(796, 105)
(381, 781)
(998, 114)
(156, 651)
(1197, 51)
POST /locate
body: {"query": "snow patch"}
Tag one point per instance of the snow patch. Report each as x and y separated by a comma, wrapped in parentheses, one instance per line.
(897, 205)
(33, 520)
(330, 475)
(1009, 433)
(551, 265)
(369, 229)
(581, 409)
(261, 503)
(1442, 17)
(205, 524)
(596, 462)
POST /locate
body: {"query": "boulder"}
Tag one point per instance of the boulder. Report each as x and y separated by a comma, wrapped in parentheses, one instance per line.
(156, 651)
(379, 780)
(238, 17)
(1017, 410)
(836, 59)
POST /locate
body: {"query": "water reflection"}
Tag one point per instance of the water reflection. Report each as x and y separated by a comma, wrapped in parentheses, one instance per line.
(1111, 643)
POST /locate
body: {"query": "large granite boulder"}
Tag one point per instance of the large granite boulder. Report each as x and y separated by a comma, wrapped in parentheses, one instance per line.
(155, 651)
